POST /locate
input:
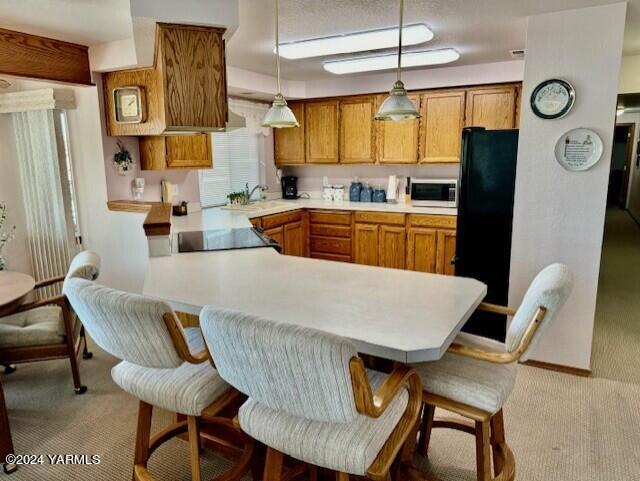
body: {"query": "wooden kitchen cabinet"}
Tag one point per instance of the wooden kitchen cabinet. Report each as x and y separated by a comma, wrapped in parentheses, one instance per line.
(446, 252)
(321, 132)
(289, 143)
(365, 244)
(392, 246)
(277, 234)
(431, 243)
(186, 89)
(357, 130)
(421, 249)
(330, 235)
(397, 142)
(164, 152)
(294, 239)
(491, 107)
(443, 114)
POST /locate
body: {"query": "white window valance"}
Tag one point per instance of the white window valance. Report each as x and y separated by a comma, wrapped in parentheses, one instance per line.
(253, 112)
(33, 100)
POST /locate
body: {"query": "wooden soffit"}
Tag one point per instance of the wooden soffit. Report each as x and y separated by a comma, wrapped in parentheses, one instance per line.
(32, 56)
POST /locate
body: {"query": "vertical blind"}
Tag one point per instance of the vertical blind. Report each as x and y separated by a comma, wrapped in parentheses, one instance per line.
(238, 156)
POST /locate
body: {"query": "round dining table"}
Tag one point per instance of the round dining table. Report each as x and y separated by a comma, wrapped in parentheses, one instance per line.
(14, 288)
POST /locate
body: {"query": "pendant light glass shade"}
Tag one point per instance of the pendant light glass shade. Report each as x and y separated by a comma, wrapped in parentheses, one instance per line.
(279, 115)
(398, 106)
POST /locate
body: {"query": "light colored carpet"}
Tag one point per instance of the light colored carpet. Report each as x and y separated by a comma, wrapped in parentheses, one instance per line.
(560, 427)
(616, 338)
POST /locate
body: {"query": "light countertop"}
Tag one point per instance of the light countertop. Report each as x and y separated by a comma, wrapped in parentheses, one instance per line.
(401, 315)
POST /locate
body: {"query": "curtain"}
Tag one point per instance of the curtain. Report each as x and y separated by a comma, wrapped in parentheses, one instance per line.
(47, 194)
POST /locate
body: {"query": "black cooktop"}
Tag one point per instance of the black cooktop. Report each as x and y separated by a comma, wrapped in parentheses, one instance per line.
(223, 239)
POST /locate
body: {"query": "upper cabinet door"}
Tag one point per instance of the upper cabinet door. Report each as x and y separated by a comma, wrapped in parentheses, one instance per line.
(189, 151)
(289, 142)
(357, 130)
(491, 107)
(441, 126)
(398, 141)
(321, 132)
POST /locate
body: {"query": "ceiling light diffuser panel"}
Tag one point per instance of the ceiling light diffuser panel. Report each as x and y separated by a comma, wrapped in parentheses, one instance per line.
(356, 42)
(388, 62)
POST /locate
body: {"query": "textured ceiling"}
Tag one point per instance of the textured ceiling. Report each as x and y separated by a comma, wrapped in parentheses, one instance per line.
(481, 30)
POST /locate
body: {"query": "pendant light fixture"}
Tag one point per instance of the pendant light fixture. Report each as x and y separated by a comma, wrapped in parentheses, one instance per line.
(398, 106)
(279, 115)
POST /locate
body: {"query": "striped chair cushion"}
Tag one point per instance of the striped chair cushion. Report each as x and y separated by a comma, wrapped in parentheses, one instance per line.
(481, 384)
(347, 447)
(188, 389)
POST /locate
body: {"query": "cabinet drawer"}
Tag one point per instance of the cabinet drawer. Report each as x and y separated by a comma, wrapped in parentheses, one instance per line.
(331, 257)
(437, 221)
(275, 220)
(329, 217)
(330, 230)
(380, 218)
(331, 245)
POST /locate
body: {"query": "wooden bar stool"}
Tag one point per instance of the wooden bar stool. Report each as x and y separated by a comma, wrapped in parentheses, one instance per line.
(476, 375)
(163, 365)
(311, 398)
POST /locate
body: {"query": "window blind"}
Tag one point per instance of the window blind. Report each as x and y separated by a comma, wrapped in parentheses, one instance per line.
(236, 157)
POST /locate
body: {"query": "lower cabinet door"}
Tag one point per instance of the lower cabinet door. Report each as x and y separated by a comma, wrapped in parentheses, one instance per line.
(392, 242)
(365, 245)
(446, 252)
(277, 234)
(421, 249)
(294, 239)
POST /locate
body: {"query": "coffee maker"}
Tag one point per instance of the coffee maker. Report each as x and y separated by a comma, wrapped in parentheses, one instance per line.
(289, 187)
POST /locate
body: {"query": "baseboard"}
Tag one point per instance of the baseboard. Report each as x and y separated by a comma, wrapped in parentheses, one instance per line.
(558, 367)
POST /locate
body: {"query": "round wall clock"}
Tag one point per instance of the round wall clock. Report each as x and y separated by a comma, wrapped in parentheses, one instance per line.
(579, 149)
(553, 99)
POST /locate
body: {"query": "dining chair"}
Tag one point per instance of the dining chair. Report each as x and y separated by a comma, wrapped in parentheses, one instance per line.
(476, 375)
(311, 398)
(48, 328)
(162, 365)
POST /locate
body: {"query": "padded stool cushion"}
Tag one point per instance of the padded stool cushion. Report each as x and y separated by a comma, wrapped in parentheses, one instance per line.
(187, 389)
(37, 327)
(349, 447)
(481, 384)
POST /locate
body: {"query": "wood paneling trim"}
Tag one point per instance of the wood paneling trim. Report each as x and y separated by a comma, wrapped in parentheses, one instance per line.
(140, 206)
(380, 217)
(437, 221)
(275, 220)
(32, 56)
(158, 221)
(329, 217)
(558, 367)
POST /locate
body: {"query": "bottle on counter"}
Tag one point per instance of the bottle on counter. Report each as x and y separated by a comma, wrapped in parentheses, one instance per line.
(354, 190)
(407, 191)
(366, 194)
(379, 195)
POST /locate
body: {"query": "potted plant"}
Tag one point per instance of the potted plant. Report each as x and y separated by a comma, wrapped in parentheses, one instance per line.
(122, 159)
(5, 235)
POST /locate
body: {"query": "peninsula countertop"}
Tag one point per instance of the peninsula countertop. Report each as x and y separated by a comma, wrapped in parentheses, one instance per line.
(401, 315)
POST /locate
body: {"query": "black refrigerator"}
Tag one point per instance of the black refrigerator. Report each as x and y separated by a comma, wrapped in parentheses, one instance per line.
(485, 216)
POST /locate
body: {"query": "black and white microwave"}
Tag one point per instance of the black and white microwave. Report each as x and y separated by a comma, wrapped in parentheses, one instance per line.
(434, 192)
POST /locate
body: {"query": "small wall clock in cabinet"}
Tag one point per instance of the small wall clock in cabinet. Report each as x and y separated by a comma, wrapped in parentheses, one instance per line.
(129, 105)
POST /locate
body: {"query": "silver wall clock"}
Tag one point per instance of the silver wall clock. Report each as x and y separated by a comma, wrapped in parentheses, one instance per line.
(553, 99)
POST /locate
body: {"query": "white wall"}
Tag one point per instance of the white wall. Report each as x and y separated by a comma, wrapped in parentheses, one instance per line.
(559, 215)
(633, 197)
(630, 75)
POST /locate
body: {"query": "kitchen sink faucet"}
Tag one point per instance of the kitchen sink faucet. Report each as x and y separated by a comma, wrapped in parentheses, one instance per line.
(249, 193)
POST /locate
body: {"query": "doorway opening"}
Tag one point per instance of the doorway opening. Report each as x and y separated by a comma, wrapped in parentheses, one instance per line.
(621, 158)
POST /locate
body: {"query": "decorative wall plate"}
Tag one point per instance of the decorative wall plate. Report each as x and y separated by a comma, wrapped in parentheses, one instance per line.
(553, 99)
(579, 149)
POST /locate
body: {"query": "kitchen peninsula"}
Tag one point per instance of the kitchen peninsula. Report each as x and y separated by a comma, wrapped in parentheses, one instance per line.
(396, 314)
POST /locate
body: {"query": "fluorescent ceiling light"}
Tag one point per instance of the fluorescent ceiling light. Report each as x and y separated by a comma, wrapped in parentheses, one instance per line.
(356, 42)
(388, 62)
